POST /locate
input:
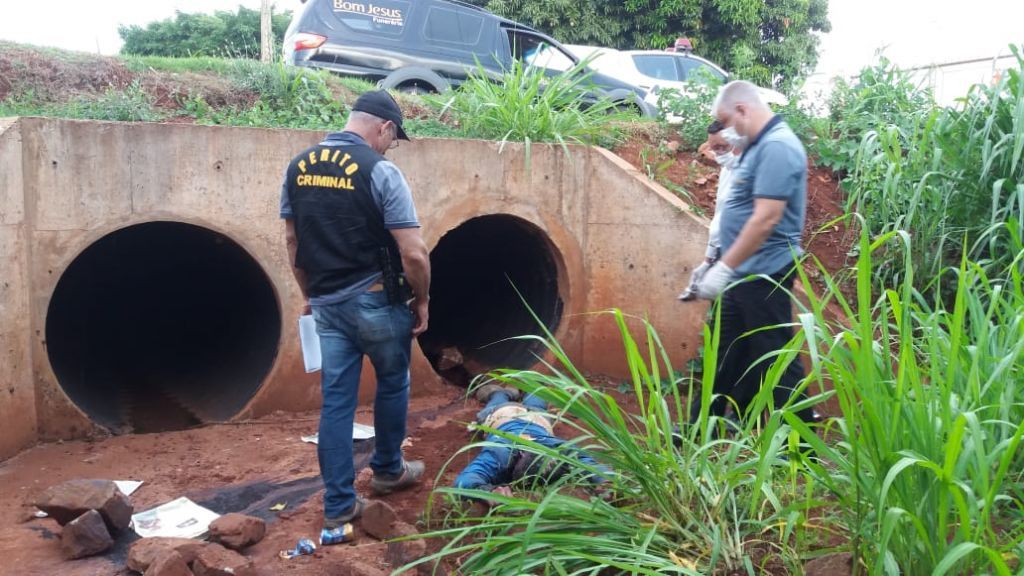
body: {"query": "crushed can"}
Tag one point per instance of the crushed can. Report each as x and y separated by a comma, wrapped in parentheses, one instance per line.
(337, 535)
(305, 547)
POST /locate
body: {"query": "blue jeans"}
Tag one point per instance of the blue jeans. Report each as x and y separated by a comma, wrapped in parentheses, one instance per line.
(500, 398)
(363, 325)
(493, 466)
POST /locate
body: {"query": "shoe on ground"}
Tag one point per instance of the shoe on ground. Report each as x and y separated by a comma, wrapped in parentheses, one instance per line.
(354, 513)
(514, 394)
(411, 472)
(483, 394)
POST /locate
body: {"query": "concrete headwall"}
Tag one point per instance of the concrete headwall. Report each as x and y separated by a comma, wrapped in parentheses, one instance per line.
(17, 392)
(619, 240)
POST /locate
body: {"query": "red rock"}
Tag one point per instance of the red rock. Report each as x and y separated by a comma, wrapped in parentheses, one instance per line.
(67, 501)
(144, 552)
(402, 552)
(216, 560)
(237, 531)
(84, 536)
(378, 520)
(169, 564)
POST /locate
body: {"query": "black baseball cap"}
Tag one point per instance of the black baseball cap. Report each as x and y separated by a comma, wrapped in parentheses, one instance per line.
(380, 104)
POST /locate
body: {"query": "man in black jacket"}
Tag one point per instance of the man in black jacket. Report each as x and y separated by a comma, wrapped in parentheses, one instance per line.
(361, 262)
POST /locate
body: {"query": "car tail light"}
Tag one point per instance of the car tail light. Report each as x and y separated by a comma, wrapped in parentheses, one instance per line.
(307, 41)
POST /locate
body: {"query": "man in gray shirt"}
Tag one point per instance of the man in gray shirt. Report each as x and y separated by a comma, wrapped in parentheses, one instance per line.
(761, 226)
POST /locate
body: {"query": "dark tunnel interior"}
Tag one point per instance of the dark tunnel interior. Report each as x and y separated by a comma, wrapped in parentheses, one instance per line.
(162, 326)
(474, 308)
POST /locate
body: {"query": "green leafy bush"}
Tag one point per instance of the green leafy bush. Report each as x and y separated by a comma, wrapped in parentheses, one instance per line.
(951, 177)
(223, 33)
(882, 95)
(289, 98)
(689, 110)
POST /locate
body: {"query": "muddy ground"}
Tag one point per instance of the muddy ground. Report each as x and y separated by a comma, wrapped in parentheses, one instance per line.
(244, 467)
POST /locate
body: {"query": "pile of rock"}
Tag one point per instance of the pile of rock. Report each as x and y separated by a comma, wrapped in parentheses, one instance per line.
(92, 513)
(186, 557)
(95, 512)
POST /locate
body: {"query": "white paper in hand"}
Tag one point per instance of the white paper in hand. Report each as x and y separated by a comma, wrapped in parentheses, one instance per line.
(310, 343)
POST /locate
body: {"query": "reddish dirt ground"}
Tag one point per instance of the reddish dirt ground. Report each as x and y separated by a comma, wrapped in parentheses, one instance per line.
(828, 241)
(231, 467)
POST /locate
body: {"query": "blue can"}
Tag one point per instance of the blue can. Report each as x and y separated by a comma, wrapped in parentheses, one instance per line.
(336, 535)
(305, 547)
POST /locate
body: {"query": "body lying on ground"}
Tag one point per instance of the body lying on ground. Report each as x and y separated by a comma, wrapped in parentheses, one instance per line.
(502, 461)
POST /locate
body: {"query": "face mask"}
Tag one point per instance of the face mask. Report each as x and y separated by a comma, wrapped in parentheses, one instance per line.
(726, 160)
(733, 138)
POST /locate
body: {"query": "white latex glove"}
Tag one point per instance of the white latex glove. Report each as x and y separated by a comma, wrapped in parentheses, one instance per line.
(714, 281)
(691, 289)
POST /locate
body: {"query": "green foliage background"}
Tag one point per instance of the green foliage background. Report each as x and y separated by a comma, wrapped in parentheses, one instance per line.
(235, 34)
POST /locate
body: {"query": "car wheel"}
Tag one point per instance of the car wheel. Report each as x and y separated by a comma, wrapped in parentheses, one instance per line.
(629, 108)
(414, 80)
(416, 88)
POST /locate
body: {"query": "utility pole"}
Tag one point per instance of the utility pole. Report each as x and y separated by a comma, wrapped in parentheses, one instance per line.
(266, 33)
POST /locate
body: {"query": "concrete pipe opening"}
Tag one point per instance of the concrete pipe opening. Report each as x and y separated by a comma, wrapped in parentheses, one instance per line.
(475, 311)
(162, 326)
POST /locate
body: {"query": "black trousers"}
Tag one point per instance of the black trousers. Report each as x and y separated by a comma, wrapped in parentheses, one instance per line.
(752, 313)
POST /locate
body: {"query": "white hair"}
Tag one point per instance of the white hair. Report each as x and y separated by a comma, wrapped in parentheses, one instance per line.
(738, 92)
(366, 117)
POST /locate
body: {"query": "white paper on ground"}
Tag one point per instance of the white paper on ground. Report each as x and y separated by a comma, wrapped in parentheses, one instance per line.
(181, 518)
(310, 342)
(359, 432)
(127, 487)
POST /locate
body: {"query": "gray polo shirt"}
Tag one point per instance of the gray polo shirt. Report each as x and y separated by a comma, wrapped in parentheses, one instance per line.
(774, 166)
(393, 197)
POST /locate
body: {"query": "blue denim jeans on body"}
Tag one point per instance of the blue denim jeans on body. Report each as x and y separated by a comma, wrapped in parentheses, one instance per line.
(500, 398)
(363, 325)
(493, 466)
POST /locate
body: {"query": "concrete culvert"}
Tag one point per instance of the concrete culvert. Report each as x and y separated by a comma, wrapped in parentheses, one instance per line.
(474, 307)
(161, 326)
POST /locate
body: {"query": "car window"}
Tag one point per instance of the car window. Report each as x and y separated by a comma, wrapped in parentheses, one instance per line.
(698, 71)
(453, 26)
(535, 51)
(662, 67)
(382, 16)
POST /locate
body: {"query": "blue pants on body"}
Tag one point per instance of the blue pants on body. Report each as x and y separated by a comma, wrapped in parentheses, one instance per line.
(362, 325)
(493, 466)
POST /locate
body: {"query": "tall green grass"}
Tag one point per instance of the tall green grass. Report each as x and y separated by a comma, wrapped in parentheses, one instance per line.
(527, 105)
(708, 504)
(925, 461)
(951, 177)
(920, 471)
(196, 64)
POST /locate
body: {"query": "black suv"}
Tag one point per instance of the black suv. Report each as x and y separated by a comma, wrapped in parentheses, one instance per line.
(429, 46)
